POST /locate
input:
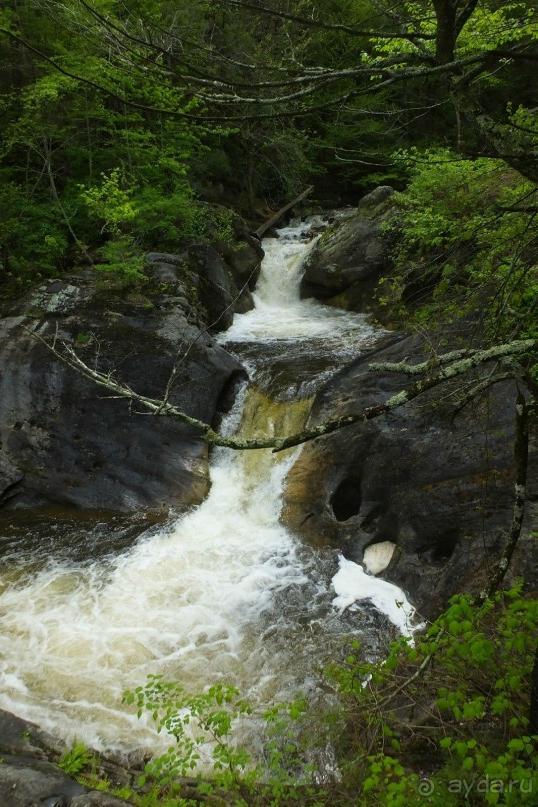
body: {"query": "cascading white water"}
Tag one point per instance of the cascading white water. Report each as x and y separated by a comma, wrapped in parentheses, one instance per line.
(279, 312)
(221, 594)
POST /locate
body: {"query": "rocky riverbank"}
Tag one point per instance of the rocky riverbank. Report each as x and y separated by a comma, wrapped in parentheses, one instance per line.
(434, 482)
(63, 442)
(433, 479)
(429, 485)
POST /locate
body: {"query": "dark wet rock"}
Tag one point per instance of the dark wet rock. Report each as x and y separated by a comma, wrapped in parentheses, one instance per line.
(62, 440)
(216, 286)
(371, 204)
(25, 782)
(441, 490)
(243, 255)
(346, 264)
(215, 279)
(20, 738)
(29, 775)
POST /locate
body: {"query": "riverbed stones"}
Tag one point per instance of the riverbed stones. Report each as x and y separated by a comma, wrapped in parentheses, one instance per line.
(377, 556)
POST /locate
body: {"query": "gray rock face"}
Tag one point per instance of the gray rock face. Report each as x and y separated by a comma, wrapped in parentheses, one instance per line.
(62, 440)
(217, 290)
(350, 257)
(217, 280)
(25, 782)
(243, 257)
(440, 490)
(28, 777)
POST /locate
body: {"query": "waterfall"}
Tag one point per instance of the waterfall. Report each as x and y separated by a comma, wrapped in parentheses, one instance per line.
(225, 592)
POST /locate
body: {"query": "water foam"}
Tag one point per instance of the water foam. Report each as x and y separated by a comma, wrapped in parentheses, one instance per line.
(352, 585)
(200, 599)
(279, 312)
(177, 603)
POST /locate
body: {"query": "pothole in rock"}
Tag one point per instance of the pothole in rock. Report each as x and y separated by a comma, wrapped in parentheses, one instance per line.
(440, 550)
(346, 499)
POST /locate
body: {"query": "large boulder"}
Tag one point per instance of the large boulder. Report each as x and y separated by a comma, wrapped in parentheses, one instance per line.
(438, 487)
(243, 255)
(347, 262)
(63, 441)
(30, 777)
(217, 279)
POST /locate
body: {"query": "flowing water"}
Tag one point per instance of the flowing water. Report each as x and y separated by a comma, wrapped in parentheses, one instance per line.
(223, 593)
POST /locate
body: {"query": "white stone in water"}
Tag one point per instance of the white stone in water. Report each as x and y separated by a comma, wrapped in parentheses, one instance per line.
(377, 557)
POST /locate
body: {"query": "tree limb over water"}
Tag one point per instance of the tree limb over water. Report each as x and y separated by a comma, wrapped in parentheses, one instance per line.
(155, 406)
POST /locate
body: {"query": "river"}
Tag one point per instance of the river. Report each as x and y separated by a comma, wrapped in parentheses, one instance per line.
(225, 592)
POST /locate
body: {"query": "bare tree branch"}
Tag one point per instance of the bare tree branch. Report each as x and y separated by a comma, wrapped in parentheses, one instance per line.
(327, 26)
(423, 367)
(521, 456)
(159, 407)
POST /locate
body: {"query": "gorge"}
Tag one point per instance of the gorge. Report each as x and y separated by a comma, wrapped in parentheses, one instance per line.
(268, 403)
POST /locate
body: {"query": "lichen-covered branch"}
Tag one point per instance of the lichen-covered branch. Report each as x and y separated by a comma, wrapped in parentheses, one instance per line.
(423, 367)
(521, 455)
(418, 388)
(164, 408)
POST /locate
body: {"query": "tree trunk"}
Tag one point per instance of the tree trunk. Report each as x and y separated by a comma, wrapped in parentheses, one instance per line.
(445, 35)
(533, 712)
(521, 458)
(262, 229)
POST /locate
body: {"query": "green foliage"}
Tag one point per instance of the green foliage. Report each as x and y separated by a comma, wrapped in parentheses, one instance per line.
(203, 727)
(466, 243)
(76, 759)
(457, 699)
(192, 720)
(110, 203)
(122, 257)
(33, 243)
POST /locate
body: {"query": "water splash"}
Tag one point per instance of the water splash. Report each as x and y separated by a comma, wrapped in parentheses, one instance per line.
(279, 312)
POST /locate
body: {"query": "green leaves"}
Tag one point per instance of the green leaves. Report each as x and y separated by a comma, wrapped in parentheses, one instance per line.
(463, 233)
(76, 759)
(193, 721)
(459, 700)
(207, 728)
(110, 202)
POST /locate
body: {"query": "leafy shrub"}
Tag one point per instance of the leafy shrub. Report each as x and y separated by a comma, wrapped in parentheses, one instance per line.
(204, 723)
(33, 241)
(123, 258)
(466, 244)
(110, 202)
(76, 759)
(452, 708)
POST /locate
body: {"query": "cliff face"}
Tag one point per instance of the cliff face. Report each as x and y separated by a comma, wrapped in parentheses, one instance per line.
(439, 487)
(62, 440)
(435, 482)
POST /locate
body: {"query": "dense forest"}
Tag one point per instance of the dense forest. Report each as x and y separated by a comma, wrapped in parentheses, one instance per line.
(133, 130)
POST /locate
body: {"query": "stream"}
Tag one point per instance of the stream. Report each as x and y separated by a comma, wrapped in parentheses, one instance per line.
(225, 592)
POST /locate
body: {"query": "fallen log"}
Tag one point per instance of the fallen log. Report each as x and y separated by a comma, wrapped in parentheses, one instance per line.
(262, 229)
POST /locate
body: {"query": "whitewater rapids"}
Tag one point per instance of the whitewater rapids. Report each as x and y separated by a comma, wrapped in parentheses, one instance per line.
(224, 593)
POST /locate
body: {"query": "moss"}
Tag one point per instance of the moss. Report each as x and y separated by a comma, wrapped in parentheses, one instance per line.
(139, 300)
